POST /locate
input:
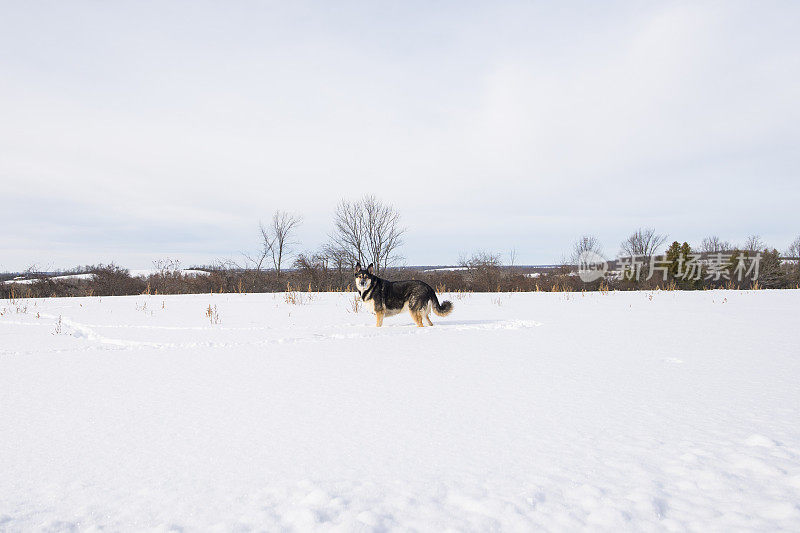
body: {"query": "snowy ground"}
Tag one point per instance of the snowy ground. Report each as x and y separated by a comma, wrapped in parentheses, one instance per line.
(633, 411)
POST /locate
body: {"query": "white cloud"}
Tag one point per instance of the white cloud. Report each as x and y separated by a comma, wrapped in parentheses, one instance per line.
(516, 125)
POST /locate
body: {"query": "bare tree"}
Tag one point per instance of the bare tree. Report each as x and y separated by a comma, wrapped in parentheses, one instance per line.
(348, 233)
(644, 242)
(313, 267)
(257, 260)
(480, 260)
(167, 266)
(367, 231)
(794, 248)
(223, 264)
(483, 268)
(584, 244)
(714, 244)
(276, 239)
(753, 243)
(384, 233)
(512, 258)
(339, 259)
(794, 252)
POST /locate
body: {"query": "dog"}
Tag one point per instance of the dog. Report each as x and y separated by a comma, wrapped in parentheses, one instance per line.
(389, 298)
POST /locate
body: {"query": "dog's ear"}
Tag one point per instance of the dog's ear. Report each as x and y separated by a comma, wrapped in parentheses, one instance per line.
(369, 268)
(358, 266)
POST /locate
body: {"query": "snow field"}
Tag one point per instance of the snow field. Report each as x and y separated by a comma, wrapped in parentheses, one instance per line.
(663, 411)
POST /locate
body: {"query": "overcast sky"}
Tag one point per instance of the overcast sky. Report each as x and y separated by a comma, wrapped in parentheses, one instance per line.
(133, 131)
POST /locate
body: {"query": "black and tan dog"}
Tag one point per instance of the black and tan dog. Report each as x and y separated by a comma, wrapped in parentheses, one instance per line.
(389, 298)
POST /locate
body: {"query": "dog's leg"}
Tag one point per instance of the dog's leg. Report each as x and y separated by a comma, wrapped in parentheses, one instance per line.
(427, 312)
(417, 316)
(379, 318)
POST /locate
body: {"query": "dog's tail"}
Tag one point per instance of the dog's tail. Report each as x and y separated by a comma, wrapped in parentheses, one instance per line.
(443, 309)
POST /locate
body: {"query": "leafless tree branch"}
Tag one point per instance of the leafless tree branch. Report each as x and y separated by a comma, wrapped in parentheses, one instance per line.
(644, 242)
(585, 243)
(714, 244)
(367, 231)
(753, 243)
(276, 240)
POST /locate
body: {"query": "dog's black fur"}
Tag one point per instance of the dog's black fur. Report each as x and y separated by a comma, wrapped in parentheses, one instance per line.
(389, 298)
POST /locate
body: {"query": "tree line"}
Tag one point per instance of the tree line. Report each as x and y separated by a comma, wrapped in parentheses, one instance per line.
(714, 263)
(368, 230)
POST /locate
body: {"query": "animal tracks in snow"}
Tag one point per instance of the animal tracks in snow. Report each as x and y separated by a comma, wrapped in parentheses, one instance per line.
(118, 336)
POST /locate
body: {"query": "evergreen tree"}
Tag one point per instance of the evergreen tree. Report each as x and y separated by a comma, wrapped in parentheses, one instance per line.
(673, 255)
(678, 255)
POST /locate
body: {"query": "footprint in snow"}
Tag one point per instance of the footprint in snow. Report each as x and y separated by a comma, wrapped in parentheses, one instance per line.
(760, 440)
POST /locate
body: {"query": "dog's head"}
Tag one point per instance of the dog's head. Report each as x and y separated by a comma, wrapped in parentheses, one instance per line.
(364, 277)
